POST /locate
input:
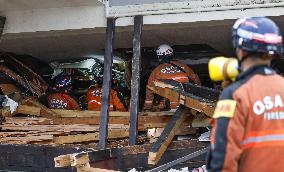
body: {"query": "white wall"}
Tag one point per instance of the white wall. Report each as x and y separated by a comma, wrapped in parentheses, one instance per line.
(65, 18)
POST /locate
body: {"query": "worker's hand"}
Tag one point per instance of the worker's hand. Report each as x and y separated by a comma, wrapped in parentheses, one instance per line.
(200, 169)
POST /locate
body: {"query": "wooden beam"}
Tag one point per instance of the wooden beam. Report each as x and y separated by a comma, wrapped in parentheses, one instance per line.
(135, 81)
(167, 135)
(176, 95)
(63, 160)
(86, 113)
(72, 160)
(78, 138)
(79, 160)
(32, 101)
(107, 82)
(38, 111)
(2, 24)
(31, 110)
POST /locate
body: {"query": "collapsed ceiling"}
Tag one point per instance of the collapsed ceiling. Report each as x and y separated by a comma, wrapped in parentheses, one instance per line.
(53, 45)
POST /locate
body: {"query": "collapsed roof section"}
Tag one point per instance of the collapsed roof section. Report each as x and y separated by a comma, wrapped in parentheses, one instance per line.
(53, 30)
(124, 8)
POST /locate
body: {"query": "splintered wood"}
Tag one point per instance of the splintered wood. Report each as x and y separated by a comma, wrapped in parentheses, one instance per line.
(192, 101)
(78, 160)
(51, 126)
(42, 130)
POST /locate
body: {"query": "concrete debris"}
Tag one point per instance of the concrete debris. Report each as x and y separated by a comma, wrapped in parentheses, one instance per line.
(11, 104)
(185, 169)
(205, 137)
(200, 169)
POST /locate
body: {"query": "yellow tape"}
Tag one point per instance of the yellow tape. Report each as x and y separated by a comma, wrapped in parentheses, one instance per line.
(225, 108)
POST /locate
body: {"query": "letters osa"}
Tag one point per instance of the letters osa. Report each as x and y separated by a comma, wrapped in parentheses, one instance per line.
(270, 107)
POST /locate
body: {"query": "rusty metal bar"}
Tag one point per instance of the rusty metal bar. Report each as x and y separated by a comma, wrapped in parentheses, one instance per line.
(135, 82)
(2, 24)
(108, 59)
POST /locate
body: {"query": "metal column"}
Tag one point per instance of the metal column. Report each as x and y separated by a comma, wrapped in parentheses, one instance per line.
(135, 82)
(2, 23)
(106, 82)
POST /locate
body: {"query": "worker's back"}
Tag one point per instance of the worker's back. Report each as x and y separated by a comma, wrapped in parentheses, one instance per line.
(174, 71)
(94, 96)
(62, 101)
(255, 133)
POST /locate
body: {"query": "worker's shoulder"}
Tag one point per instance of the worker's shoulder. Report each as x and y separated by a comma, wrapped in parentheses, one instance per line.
(228, 92)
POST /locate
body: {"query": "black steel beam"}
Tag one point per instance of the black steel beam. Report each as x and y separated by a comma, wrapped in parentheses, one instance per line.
(179, 160)
(106, 82)
(2, 23)
(160, 146)
(135, 82)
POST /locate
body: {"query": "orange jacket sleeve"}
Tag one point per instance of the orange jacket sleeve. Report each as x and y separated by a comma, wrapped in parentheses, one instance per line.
(115, 100)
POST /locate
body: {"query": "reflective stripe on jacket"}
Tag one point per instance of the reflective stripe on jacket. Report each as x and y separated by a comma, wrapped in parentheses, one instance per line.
(62, 101)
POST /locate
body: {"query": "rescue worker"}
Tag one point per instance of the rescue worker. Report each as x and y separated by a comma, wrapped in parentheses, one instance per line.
(61, 98)
(94, 98)
(168, 69)
(248, 128)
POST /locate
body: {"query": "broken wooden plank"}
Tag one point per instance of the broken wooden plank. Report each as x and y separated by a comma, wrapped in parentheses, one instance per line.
(86, 113)
(12, 91)
(72, 160)
(65, 128)
(144, 122)
(63, 160)
(188, 100)
(32, 101)
(27, 139)
(27, 121)
(5, 111)
(79, 160)
(31, 110)
(167, 135)
(79, 138)
(35, 79)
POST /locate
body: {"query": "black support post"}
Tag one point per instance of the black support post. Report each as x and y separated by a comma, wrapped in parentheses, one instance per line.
(135, 82)
(106, 82)
(2, 23)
